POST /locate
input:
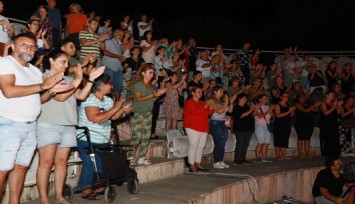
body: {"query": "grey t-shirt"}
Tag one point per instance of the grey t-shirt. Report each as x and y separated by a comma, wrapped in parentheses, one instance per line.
(60, 113)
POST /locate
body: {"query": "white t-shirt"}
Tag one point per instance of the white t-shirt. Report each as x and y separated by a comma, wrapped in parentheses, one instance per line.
(4, 35)
(148, 55)
(142, 31)
(25, 108)
(206, 72)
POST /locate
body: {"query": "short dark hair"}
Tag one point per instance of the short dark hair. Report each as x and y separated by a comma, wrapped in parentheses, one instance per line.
(329, 160)
(64, 42)
(242, 95)
(25, 35)
(103, 79)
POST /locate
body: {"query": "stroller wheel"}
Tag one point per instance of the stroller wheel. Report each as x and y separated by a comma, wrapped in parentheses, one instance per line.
(133, 185)
(110, 194)
(68, 192)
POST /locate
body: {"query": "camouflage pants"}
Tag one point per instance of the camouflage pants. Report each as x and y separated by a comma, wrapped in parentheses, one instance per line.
(141, 126)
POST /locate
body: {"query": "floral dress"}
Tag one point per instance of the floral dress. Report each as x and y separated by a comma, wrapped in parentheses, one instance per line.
(171, 106)
(47, 24)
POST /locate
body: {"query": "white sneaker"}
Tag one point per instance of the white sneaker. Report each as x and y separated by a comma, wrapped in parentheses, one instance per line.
(218, 165)
(143, 161)
(223, 164)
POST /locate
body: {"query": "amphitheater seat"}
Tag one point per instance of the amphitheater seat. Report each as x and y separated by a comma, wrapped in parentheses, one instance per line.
(180, 147)
(170, 136)
(209, 145)
(230, 143)
(326, 60)
(341, 61)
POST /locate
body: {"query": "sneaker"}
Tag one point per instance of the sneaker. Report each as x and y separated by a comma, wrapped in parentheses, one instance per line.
(259, 160)
(265, 160)
(218, 165)
(143, 161)
(225, 165)
(238, 163)
(246, 161)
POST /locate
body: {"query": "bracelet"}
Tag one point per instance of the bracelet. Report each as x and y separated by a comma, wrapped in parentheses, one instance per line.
(91, 81)
(41, 87)
(52, 94)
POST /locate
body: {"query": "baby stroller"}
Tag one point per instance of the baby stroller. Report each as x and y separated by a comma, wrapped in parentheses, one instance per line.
(115, 169)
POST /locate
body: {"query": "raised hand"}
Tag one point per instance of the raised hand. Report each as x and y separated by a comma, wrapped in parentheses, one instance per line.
(128, 107)
(119, 103)
(61, 87)
(50, 81)
(95, 73)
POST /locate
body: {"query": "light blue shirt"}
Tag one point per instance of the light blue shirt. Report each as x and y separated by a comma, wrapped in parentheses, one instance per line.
(115, 47)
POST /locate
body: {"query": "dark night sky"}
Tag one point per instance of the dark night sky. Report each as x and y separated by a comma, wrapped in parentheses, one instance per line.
(268, 24)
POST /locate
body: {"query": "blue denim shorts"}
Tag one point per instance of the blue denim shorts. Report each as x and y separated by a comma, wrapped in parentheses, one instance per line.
(63, 135)
(17, 143)
(262, 134)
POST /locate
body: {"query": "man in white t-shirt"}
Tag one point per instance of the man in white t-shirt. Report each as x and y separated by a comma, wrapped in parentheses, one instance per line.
(204, 65)
(21, 92)
(144, 26)
(7, 30)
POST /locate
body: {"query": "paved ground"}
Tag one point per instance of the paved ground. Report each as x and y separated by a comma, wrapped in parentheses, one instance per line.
(182, 188)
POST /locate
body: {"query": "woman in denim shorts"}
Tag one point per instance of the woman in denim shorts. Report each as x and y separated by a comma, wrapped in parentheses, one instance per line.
(56, 132)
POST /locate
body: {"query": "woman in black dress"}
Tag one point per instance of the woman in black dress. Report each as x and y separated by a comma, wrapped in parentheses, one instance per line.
(278, 89)
(329, 126)
(283, 113)
(304, 125)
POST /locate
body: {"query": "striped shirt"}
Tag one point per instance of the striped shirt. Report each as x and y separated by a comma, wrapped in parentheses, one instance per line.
(91, 49)
(99, 132)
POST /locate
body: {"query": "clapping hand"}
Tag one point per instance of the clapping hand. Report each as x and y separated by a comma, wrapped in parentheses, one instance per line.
(95, 73)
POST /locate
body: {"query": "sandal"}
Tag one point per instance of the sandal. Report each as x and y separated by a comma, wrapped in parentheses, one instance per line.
(91, 196)
(62, 201)
(100, 192)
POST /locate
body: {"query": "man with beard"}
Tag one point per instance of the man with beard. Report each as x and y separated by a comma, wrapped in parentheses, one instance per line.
(22, 91)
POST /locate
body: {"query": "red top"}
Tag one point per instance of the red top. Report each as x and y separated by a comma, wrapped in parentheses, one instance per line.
(196, 115)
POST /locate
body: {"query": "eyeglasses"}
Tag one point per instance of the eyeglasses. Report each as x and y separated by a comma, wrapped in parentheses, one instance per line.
(27, 46)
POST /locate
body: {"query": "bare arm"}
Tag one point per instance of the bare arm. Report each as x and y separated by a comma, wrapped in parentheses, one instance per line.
(95, 115)
(325, 110)
(329, 196)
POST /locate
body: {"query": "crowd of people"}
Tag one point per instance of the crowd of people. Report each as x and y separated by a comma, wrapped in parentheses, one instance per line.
(80, 80)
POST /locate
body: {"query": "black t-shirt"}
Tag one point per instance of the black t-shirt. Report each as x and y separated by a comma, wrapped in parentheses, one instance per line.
(326, 179)
(133, 64)
(245, 124)
(317, 80)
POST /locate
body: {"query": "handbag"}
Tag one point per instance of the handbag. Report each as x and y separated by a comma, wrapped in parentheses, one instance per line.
(228, 121)
(348, 123)
(270, 126)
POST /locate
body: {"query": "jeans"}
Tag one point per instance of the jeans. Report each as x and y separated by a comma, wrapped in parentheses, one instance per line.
(117, 79)
(87, 171)
(219, 133)
(243, 139)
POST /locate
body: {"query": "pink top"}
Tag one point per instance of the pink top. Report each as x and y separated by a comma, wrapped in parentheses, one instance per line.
(261, 121)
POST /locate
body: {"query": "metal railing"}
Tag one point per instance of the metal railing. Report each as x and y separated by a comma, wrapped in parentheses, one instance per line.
(229, 51)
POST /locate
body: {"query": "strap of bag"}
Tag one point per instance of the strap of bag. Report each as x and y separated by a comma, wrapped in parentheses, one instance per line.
(264, 116)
